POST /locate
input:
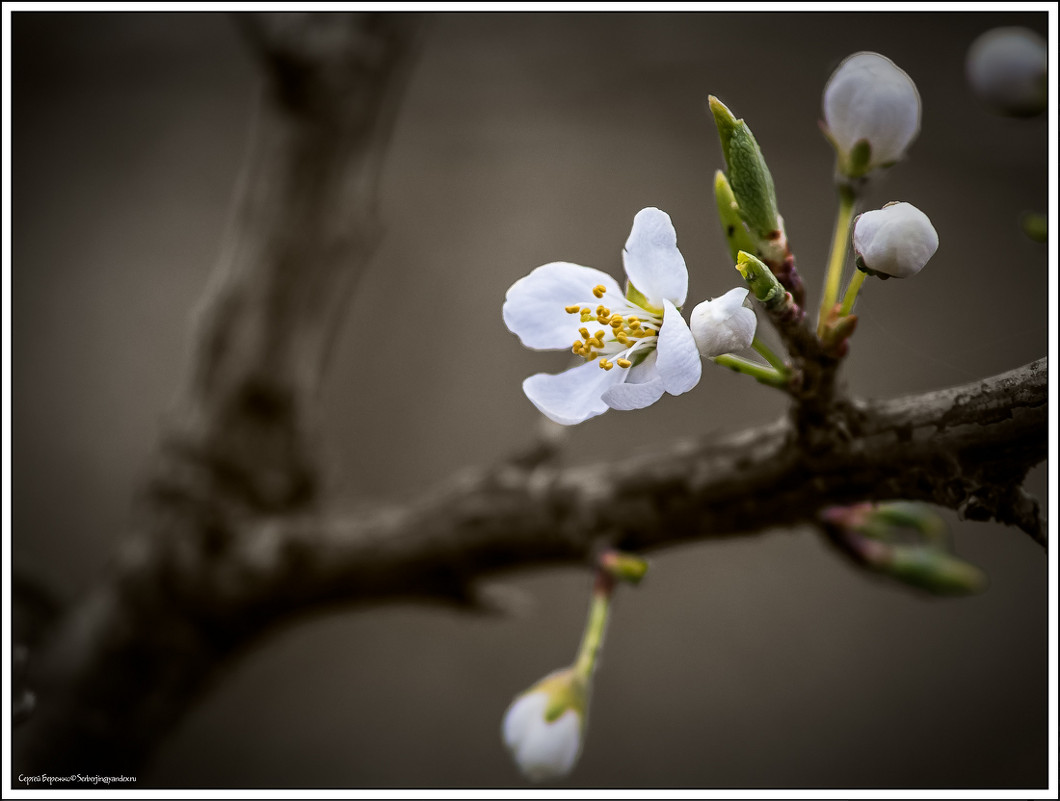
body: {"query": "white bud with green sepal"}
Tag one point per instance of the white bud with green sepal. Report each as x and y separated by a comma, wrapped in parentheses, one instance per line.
(895, 241)
(871, 113)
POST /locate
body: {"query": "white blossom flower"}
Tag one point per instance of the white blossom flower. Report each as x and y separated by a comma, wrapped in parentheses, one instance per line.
(868, 98)
(724, 324)
(895, 241)
(543, 727)
(1008, 69)
(635, 346)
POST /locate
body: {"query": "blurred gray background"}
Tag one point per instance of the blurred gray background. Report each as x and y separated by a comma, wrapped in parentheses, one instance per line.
(523, 139)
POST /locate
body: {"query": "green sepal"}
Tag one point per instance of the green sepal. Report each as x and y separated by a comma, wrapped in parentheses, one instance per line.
(732, 225)
(906, 541)
(624, 566)
(909, 514)
(752, 183)
(837, 329)
(860, 264)
(565, 689)
(764, 285)
(634, 295)
(856, 163)
(933, 570)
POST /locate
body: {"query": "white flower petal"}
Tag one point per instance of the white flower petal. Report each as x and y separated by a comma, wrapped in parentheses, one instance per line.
(869, 97)
(521, 716)
(534, 305)
(653, 263)
(642, 387)
(678, 364)
(723, 325)
(573, 396)
(729, 303)
(549, 750)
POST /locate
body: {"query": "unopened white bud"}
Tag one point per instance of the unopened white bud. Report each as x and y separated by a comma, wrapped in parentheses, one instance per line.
(543, 727)
(894, 241)
(723, 325)
(871, 113)
(1008, 70)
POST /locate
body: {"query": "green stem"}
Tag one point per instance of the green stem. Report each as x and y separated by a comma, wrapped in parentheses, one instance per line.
(852, 292)
(768, 354)
(759, 372)
(838, 256)
(593, 638)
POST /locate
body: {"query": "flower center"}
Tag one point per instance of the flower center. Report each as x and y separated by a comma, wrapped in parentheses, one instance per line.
(623, 331)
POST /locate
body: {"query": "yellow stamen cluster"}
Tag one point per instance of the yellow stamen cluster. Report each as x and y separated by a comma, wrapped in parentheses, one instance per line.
(584, 347)
(624, 330)
(627, 329)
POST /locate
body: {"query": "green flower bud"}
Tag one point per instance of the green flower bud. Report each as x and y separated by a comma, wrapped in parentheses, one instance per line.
(752, 183)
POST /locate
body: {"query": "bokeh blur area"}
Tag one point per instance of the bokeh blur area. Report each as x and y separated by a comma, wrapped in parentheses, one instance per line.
(757, 662)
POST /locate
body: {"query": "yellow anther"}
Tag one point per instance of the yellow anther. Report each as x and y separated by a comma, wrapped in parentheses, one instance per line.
(621, 337)
(584, 332)
(577, 346)
(599, 290)
(616, 324)
(573, 309)
(599, 335)
(633, 318)
(605, 364)
(624, 363)
(616, 319)
(586, 317)
(634, 324)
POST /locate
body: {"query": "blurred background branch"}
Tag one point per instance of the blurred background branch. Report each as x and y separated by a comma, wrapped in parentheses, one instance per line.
(123, 665)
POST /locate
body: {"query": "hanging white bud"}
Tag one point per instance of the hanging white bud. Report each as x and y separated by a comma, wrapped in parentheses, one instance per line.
(543, 727)
(871, 113)
(1008, 70)
(895, 241)
(723, 325)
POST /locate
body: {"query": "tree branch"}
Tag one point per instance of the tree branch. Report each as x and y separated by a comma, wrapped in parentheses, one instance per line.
(966, 447)
(124, 664)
